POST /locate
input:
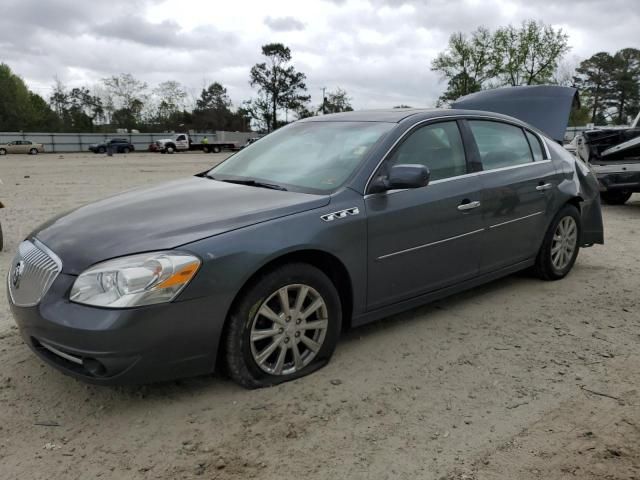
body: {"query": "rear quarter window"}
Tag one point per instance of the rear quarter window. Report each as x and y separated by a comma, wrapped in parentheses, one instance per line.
(536, 147)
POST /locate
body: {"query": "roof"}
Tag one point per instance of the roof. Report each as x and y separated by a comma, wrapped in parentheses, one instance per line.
(391, 115)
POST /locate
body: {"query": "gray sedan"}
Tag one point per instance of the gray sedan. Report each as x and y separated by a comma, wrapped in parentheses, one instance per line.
(331, 222)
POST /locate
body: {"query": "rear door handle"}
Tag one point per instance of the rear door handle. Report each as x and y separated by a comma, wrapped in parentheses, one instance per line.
(468, 206)
(544, 186)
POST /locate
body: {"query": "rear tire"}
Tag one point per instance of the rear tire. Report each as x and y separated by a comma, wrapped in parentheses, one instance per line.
(260, 327)
(615, 197)
(560, 246)
(125, 150)
(216, 149)
(33, 151)
(3, 151)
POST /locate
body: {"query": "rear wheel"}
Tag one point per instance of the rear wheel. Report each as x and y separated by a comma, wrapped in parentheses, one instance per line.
(285, 326)
(125, 150)
(33, 151)
(615, 197)
(3, 151)
(560, 246)
(217, 149)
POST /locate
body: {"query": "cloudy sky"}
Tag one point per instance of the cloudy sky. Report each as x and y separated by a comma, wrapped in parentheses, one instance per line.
(378, 50)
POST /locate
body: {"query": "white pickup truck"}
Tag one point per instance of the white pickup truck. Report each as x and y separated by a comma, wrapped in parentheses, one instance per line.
(181, 142)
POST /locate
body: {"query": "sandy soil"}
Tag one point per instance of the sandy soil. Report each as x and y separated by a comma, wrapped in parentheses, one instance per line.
(519, 379)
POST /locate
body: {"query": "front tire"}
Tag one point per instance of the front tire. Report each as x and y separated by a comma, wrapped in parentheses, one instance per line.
(284, 326)
(615, 197)
(102, 150)
(3, 151)
(560, 246)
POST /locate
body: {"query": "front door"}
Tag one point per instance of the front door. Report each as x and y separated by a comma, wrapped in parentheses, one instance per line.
(423, 239)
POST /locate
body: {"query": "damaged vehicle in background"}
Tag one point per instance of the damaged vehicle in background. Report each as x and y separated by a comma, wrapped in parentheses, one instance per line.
(330, 222)
(614, 156)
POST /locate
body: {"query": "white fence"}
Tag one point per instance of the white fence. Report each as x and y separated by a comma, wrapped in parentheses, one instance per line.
(79, 142)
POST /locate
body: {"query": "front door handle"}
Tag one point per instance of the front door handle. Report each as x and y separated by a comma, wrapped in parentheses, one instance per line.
(468, 206)
(544, 186)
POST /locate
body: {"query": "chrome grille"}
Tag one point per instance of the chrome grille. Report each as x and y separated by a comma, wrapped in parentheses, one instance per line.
(32, 272)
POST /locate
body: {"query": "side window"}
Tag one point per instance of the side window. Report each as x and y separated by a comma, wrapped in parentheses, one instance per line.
(180, 138)
(438, 147)
(536, 148)
(501, 145)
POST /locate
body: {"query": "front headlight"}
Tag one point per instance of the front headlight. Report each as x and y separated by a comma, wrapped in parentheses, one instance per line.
(137, 280)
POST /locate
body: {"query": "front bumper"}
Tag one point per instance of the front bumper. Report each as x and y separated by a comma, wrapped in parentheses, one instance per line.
(128, 346)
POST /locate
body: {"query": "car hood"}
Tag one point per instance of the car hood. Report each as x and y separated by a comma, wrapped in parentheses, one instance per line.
(546, 107)
(164, 217)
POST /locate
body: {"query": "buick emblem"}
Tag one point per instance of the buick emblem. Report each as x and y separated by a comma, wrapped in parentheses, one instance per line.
(16, 274)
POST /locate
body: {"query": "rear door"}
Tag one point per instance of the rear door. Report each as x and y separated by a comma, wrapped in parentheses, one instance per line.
(519, 185)
(423, 239)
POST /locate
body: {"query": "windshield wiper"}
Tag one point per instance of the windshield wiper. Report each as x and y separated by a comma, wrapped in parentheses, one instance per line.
(251, 183)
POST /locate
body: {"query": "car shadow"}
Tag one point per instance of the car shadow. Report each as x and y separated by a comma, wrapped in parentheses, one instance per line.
(216, 386)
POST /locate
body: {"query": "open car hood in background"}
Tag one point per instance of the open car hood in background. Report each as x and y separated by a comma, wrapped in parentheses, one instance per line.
(546, 107)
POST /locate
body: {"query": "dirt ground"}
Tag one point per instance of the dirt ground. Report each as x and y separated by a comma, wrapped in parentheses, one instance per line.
(519, 379)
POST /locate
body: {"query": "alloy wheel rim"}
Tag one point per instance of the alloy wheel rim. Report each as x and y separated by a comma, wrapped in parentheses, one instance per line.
(288, 329)
(565, 240)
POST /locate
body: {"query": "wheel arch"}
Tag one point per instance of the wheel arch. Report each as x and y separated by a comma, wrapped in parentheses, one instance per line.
(326, 262)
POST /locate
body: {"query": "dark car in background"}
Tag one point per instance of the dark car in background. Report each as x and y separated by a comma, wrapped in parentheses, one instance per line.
(329, 222)
(117, 145)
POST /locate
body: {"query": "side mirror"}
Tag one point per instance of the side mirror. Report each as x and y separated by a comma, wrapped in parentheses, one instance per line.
(401, 176)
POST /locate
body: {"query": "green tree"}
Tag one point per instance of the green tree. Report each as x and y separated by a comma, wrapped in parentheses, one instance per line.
(594, 79)
(214, 111)
(529, 55)
(467, 63)
(169, 106)
(625, 89)
(279, 84)
(336, 101)
(129, 96)
(21, 109)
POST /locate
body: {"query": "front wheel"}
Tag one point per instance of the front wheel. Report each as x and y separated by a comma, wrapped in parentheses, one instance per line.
(286, 325)
(3, 151)
(560, 246)
(125, 150)
(615, 197)
(102, 150)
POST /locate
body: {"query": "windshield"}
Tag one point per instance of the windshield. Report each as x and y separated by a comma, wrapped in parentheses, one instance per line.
(317, 156)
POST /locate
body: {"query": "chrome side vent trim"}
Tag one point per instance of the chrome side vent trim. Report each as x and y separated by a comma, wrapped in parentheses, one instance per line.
(329, 217)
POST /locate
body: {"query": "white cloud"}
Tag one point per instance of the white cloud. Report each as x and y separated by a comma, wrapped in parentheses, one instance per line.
(378, 50)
